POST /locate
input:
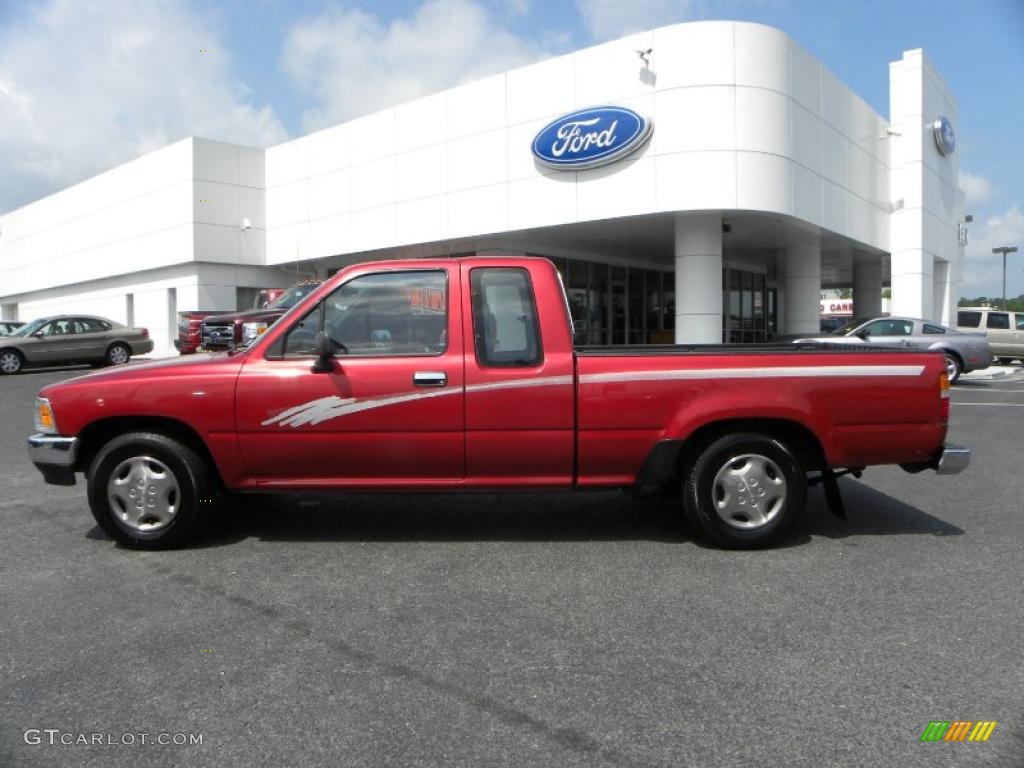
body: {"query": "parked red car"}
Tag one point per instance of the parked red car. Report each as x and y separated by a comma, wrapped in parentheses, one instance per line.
(461, 374)
(190, 323)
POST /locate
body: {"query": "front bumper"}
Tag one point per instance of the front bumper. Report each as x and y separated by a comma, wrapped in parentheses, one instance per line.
(55, 457)
(952, 460)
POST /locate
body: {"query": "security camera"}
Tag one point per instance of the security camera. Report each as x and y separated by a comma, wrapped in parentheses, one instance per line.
(246, 224)
(643, 54)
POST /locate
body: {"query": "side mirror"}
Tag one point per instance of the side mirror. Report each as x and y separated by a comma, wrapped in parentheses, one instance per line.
(862, 334)
(324, 354)
(37, 334)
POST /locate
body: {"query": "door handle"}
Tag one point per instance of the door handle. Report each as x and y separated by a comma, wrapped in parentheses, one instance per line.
(430, 378)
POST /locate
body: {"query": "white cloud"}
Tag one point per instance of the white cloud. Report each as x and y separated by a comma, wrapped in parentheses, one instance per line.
(87, 85)
(607, 19)
(983, 272)
(354, 63)
(976, 188)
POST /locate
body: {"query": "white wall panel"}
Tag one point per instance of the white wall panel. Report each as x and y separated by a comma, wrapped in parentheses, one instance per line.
(481, 210)
(476, 107)
(696, 181)
(701, 53)
(541, 90)
(764, 182)
(611, 71)
(421, 173)
(541, 201)
(421, 123)
(373, 183)
(330, 149)
(330, 194)
(477, 160)
(622, 189)
(676, 130)
(762, 57)
(763, 121)
(421, 221)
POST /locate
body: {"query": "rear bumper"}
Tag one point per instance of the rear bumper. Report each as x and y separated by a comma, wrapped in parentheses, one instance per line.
(951, 460)
(55, 457)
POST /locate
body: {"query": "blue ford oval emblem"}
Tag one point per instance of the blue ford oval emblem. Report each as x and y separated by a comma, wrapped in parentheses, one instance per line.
(590, 137)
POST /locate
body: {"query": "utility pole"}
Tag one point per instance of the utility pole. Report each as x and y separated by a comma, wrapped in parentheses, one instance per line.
(1005, 249)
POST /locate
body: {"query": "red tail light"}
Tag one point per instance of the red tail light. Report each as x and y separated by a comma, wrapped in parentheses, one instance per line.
(145, 332)
(943, 398)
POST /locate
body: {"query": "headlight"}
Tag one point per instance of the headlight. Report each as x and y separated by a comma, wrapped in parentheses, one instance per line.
(251, 330)
(43, 417)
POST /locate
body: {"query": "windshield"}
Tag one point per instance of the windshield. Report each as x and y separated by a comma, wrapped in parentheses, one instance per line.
(291, 297)
(850, 326)
(30, 328)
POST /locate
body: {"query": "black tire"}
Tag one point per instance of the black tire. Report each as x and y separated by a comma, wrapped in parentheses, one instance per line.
(712, 511)
(147, 452)
(11, 362)
(117, 354)
(954, 366)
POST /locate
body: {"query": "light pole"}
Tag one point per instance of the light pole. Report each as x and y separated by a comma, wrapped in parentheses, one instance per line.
(1004, 249)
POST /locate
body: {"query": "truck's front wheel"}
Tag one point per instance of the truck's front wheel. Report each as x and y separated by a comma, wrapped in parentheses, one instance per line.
(744, 490)
(146, 490)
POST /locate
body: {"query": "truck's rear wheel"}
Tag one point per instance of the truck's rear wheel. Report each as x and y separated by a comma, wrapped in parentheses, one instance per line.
(744, 490)
(146, 490)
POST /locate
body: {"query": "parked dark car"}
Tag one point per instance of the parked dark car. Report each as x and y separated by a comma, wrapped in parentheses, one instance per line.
(234, 329)
(68, 339)
(8, 327)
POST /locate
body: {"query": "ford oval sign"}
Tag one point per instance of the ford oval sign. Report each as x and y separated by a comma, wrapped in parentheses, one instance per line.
(590, 137)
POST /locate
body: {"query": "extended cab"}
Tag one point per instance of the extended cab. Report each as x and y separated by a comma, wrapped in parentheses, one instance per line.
(461, 374)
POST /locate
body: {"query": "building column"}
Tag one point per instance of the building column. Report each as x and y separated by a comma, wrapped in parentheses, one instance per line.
(699, 279)
(912, 287)
(943, 293)
(803, 289)
(867, 286)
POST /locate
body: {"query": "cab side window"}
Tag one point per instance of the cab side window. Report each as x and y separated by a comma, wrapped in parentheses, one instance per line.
(968, 319)
(506, 329)
(998, 320)
(381, 314)
(933, 329)
(890, 327)
(1020, 321)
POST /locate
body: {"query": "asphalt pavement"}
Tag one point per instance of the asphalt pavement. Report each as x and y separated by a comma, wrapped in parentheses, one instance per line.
(521, 630)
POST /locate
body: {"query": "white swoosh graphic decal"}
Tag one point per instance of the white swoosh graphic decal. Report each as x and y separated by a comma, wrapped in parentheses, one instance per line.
(333, 407)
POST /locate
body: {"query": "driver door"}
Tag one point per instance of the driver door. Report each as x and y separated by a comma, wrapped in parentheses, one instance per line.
(388, 413)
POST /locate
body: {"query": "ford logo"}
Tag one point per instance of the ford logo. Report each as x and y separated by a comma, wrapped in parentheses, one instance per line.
(590, 137)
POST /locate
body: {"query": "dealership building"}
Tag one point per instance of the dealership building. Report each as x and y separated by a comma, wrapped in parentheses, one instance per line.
(754, 179)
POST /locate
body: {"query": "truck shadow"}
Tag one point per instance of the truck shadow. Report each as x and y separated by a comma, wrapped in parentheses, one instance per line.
(597, 516)
(870, 513)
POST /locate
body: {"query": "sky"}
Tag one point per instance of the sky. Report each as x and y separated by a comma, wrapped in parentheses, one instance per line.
(88, 84)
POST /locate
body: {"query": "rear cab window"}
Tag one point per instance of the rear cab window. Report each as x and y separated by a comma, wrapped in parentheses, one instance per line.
(506, 327)
(1020, 321)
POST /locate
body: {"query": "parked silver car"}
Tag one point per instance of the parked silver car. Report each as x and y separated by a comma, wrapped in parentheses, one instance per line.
(964, 351)
(71, 339)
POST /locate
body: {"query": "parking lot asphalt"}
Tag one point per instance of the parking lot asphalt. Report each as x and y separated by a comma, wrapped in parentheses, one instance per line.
(508, 630)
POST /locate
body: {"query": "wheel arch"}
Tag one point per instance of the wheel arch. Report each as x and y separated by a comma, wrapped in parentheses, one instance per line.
(668, 459)
(98, 433)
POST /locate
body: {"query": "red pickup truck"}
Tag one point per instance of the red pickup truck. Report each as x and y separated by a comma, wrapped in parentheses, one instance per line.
(461, 374)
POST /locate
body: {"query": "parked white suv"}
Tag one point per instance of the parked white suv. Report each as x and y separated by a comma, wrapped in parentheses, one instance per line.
(1005, 330)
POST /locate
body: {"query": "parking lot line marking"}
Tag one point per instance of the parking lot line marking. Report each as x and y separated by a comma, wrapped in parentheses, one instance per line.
(974, 391)
(994, 405)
